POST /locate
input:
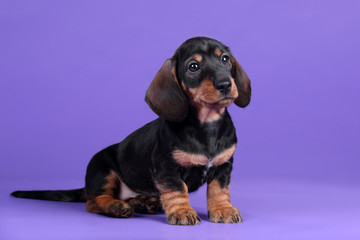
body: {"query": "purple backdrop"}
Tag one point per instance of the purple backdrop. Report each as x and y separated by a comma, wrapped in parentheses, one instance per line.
(73, 76)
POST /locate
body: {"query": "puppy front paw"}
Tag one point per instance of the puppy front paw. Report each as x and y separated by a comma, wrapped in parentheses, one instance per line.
(183, 217)
(224, 215)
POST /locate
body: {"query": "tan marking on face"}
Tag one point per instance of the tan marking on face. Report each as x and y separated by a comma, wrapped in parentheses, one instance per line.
(219, 206)
(206, 99)
(202, 97)
(198, 57)
(186, 159)
(234, 91)
(218, 52)
(206, 92)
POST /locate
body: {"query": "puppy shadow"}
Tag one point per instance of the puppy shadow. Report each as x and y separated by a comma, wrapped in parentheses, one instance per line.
(158, 217)
(78, 207)
(204, 217)
(161, 217)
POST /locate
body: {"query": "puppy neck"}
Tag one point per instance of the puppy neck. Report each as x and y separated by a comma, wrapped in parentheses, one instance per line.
(207, 114)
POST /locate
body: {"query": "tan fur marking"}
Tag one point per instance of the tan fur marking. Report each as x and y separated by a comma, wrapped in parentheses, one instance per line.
(202, 97)
(170, 200)
(208, 101)
(217, 197)
(107, 203)
(188, 159)
(205, 92)
(91, 206)
(218, 204)
(177, 207)
(112, 183)
(218, 52)
(198, 58)
(224, 156)
(234, 91)
(103, 201)
(99, 204)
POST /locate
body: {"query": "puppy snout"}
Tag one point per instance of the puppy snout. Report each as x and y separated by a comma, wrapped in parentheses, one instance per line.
(223, 86)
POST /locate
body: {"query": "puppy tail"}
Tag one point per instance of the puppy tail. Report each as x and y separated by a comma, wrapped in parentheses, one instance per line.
(74, 195)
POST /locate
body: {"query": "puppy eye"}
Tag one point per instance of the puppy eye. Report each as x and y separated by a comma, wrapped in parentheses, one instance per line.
(225, 59)
(194, 67)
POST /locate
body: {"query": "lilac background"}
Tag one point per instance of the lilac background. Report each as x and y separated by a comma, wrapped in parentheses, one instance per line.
(73, 75)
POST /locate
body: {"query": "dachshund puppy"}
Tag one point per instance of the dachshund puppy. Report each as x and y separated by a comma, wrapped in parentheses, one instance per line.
(191, 143)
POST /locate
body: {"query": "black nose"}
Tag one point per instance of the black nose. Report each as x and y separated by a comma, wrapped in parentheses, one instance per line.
(223, 86)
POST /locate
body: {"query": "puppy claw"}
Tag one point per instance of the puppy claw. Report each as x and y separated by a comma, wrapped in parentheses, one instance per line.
(225, 215)
(184, 217)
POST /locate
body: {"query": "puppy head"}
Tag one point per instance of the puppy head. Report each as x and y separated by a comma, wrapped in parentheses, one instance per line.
(202, 74)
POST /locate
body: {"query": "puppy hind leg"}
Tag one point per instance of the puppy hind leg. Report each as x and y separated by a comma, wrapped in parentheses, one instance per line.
(106, 203)
(145, 204)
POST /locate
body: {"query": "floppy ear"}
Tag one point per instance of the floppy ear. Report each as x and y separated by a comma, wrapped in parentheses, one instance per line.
(242, 83)
(164, 96)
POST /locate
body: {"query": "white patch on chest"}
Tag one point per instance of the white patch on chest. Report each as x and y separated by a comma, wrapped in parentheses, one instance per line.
(190, 159)
(125, 192)
(206, 170)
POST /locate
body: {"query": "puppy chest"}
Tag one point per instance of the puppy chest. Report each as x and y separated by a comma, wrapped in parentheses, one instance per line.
(187, 159)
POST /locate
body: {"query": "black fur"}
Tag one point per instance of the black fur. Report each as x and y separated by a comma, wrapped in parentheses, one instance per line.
(75, 195)
(144, 158)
